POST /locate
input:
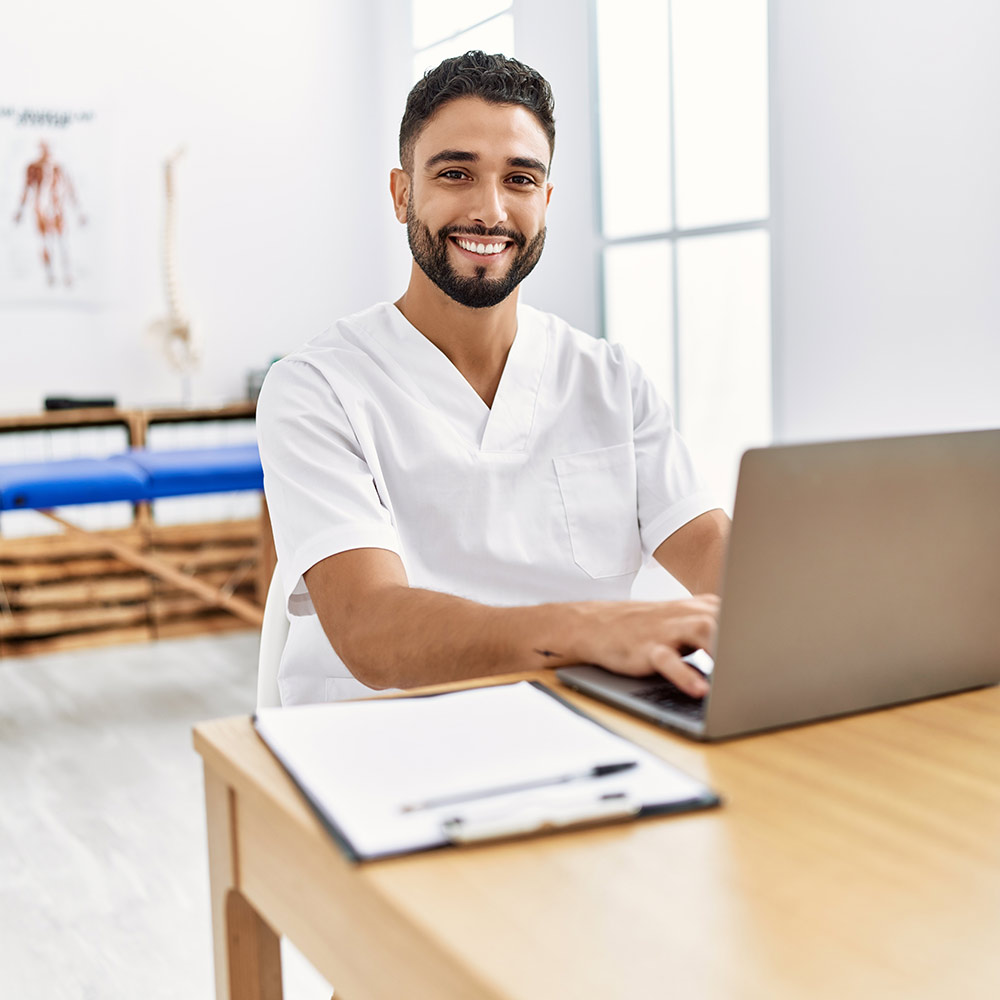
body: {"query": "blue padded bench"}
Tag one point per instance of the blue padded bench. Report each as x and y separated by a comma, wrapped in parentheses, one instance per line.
(138, 475)
(206, 470)
(38, 485)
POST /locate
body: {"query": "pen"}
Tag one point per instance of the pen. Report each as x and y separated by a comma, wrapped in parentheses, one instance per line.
(599, 771)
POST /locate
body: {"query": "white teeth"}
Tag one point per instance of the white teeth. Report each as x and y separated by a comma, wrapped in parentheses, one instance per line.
(482, 248)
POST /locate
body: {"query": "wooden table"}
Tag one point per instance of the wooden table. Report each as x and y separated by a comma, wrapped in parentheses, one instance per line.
(852, 858)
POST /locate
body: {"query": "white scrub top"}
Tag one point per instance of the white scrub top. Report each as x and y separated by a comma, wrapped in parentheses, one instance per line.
(371, 438)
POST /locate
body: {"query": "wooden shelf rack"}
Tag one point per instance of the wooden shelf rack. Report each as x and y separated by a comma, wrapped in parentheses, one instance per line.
(65, 591)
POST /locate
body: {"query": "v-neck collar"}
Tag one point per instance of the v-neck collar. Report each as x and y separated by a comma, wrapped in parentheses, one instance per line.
(506, 426)
(509, 425)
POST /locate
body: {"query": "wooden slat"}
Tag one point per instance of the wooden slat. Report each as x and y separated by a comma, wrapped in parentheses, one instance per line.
(54, 547)
(209, 556)
(75, 640)
(110, 415)
(179, 415)
(243, 529)
(246, 530)
(48, 620)
(109, 590)
(65, 419)
(38, 574)
(165, 608)
(176, 605)
(30, 573)
(99, 590)
(70, 619)
(215, 578)
(204, 624)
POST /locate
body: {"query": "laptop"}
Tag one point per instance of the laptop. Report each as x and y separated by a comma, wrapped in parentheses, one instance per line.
(860, 574)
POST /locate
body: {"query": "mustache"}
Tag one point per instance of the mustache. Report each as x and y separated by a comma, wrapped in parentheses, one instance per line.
(518, 239)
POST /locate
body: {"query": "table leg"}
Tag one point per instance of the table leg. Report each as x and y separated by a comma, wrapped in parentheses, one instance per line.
(247, 951)
(254, 953)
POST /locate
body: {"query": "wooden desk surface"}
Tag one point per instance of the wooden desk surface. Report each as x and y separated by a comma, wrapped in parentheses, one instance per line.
(853, 858)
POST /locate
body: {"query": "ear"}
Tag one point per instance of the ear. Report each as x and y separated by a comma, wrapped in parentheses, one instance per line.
(548, 194)
(399, 188)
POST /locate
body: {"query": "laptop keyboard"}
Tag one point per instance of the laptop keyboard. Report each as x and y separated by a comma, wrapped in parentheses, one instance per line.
(665, 695)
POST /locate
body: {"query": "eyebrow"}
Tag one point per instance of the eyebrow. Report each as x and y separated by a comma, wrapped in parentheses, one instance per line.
(451, 156)
(528, 163)
(464, 156)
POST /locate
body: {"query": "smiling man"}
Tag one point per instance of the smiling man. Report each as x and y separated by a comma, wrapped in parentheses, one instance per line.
(461, 485)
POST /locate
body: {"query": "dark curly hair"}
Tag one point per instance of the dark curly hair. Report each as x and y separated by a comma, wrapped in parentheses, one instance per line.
(495, 79)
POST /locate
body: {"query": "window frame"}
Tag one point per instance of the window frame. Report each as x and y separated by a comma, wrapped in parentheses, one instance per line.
(507, 11)
(675, 234)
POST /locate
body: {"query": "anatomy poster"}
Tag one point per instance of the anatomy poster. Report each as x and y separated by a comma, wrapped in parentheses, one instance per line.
(53, 213)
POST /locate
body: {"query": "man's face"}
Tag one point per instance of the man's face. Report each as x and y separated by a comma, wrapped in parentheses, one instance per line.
(475, 199)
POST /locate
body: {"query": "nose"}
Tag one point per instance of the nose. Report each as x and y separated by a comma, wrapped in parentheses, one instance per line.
(488, 205)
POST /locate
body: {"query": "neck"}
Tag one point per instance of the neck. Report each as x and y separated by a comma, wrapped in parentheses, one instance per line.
(475, 341)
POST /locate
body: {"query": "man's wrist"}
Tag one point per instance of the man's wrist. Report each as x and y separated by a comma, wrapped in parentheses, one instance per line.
(561, 635)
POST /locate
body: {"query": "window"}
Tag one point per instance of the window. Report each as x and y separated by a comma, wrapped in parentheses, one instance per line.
(443, 30)
(683, 130)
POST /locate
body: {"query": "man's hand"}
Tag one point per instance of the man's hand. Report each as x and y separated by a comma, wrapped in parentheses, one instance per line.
(641, 638)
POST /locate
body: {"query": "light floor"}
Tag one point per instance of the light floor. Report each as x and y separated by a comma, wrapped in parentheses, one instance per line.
(103, 865)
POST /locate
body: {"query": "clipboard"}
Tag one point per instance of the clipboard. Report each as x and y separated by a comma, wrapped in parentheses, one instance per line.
(482, 764)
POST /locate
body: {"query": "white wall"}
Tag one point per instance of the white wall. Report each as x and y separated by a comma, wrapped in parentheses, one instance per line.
(394, 56)
(554, 36)
(886, 216)
(279, 194)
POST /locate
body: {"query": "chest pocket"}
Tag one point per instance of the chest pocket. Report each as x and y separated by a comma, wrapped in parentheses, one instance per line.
(598, 491)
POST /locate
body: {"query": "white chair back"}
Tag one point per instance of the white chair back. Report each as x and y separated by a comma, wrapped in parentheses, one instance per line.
(273, 633)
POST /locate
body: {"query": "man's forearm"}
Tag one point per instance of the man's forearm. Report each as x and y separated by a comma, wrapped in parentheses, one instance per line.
(392, 635)
(410, 637)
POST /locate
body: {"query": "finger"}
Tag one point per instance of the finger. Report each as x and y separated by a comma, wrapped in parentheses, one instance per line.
(697, 631)
(667, 662)
(712, 598)
(709, 602)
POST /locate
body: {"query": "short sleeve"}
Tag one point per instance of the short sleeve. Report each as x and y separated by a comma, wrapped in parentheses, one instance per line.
(320, 491)
(669, 492)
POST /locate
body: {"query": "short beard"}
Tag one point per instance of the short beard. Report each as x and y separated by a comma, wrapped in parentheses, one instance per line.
(478, 291)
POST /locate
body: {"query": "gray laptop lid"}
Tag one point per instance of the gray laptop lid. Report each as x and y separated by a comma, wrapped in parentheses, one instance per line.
(859, 574)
